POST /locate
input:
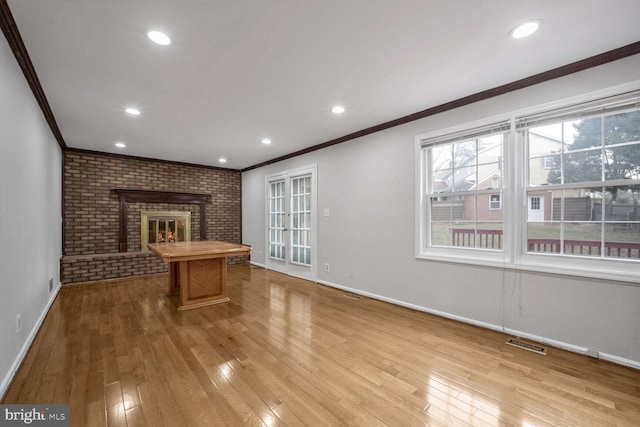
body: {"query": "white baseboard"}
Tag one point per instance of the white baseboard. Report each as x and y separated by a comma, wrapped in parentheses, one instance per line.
(258, 265)
(553, 343)
(6, 381)
(619, 360)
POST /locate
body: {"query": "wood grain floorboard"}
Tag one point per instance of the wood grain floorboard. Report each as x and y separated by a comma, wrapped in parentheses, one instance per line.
(287, 352)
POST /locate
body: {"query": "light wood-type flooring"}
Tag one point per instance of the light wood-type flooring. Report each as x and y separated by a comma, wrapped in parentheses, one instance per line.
(289, 352)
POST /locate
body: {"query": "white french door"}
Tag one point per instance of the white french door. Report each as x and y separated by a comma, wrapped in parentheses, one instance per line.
(290, 223)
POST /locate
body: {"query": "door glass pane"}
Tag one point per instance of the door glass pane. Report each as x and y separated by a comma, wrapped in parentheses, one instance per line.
(276, 220)
(301, 220)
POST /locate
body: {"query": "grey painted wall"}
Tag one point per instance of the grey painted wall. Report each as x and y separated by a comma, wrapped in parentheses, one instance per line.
(30, 208)
(369, 238)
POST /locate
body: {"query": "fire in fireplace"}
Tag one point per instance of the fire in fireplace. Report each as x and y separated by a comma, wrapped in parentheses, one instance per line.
(164, 227)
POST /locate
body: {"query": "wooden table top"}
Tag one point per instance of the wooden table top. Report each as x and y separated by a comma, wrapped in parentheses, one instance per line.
(183, 251)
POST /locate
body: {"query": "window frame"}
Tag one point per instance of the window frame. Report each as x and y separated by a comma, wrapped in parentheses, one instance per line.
(514, 203)
(466, 255)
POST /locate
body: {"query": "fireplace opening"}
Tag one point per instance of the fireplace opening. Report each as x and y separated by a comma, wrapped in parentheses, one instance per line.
(164, 227)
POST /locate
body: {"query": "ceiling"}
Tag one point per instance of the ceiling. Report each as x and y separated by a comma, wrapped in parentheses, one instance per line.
(238, 71)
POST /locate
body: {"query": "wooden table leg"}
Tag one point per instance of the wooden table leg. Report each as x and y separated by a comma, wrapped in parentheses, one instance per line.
(174, 278)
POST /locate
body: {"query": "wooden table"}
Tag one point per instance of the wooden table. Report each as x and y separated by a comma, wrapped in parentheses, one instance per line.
(198, 270)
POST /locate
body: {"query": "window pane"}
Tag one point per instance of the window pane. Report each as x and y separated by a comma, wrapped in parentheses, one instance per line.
(441, 158)
(622, 162)
(622, 240)
(490, 149)
(545, 143)
(543, 237)
(465, 160)
(441, 210)
(441, 217)
(582, 166)
(489, 235)
(621, 128)
(587, 134)
(549, 139)
(470, 207)
(463, 234)
(582, 238)
(469, 167)
(441, 169)
(489, 176)
(440, 234)
(442, 181)
(544, 170)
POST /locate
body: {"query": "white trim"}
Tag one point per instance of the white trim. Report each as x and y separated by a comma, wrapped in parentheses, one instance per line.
(584, 351)
(480, 257)
(609, 270)
(287, 266)
(619, 360)
(8, 379)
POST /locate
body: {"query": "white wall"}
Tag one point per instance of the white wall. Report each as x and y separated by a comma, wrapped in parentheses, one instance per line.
(30, 214)
(368, 185)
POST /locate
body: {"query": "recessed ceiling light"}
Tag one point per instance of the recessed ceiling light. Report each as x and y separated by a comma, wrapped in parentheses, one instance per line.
(266, 141)
(337, 109)
(525, 29)
(158, 37)
(132, 111)
(222, 160)
(120, 144)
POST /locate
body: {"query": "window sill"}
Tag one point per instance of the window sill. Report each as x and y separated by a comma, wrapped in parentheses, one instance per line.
(468, 256)
(610, 270)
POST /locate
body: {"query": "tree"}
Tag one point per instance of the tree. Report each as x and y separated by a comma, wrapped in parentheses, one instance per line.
(622, 162)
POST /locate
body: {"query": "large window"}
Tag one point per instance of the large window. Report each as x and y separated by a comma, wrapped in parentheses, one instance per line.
(586, 203)
(557, 190)
(464, 188)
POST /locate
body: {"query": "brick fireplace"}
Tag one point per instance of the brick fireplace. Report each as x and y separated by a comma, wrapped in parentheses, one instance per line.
(103, 192)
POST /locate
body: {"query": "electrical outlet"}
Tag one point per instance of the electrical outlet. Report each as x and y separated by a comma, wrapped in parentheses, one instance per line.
(18, 324)
(260, 254)
(326, 267)
(352, 273)
(50, 284)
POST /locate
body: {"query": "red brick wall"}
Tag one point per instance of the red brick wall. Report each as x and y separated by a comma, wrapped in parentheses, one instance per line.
(91, 211)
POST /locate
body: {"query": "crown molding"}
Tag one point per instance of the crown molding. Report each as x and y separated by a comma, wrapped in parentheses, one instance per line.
(565, 70)
(11, 33)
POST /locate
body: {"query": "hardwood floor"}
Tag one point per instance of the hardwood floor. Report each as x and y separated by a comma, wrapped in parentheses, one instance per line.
(285, 351)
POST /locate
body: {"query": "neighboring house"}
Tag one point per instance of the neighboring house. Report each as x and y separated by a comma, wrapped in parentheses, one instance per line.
(488, 171)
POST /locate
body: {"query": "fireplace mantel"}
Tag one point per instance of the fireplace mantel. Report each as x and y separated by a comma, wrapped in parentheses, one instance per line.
(126, 196)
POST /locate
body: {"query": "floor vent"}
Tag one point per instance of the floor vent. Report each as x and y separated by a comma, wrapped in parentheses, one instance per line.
(353, 296)
(527, 346)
